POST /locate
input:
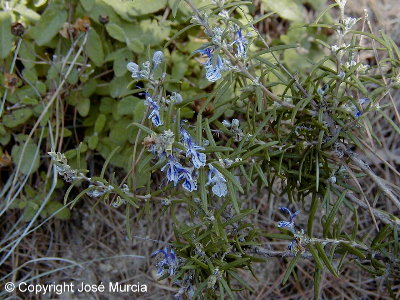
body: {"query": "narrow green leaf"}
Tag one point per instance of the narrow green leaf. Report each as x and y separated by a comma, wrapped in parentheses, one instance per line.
(314, 206)
(325, 259)
(261, 173)
(227, 288)
(314, 253)
(353, 250)
(175, 7)
(290, 267)
(317, 283)
(232, 194)
(229, 176)
(333, 212)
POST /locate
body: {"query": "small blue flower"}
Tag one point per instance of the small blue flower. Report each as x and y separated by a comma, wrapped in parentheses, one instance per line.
(288, 224)
(134, 69)
(357, 113)
(362, 101)
(198, 159)
(291, 245)
(206, 51)
(241, 43)
(218, 181)
(213, 72)
(169, 261)
(188, 183)
(158, 57)
(176, 97)
(155, 110)
(174, 168)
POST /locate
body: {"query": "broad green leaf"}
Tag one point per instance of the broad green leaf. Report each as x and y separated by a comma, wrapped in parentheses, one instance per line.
(83, 107)
(175, 7)
(27, 53)
(63, 212)
(17, 117)
(127, 105)
(93, 141)
(287, 9)
(39, 3)
(121, 61)
(116, 32)
(29, 161)
(119, 86)
(135, 45)
(27, 12)
(118, 132)
(87, 4)
(49, 24)
(94, 48)
(148, 31)
(128, 10)
(5, 34)
(100, 122)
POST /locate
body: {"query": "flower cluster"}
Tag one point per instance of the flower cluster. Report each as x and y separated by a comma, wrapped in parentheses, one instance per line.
(170, 262)
(161, 146)
(145, 72)
(62, 167)
(176, 173)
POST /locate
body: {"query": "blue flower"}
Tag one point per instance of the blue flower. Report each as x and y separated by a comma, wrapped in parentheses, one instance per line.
(174, 168)
(213, 72)
(198, 159)
(169, 261)
(176, 172)
(288, 224)
(188, 183)
(155, 110)
(206, 51)
(158, 57)
(134, 69)
(291, 245)
(362, 101)
(241, 43)
(218, 181)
